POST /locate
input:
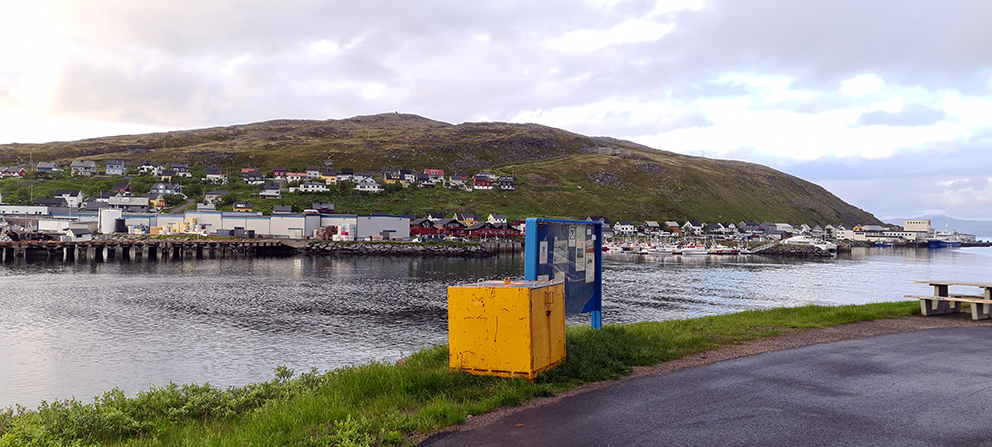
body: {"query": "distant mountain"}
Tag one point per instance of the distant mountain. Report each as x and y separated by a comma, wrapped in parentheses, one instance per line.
(557, 173)
(980, 228)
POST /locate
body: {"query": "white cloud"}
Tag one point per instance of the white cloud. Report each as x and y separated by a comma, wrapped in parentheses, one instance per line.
(859, 86)
(587, 40)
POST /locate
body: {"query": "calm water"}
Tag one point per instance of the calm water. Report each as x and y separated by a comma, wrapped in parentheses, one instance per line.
(77, 330)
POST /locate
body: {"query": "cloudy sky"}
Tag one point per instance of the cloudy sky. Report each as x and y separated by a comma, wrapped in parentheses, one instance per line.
(887, 103)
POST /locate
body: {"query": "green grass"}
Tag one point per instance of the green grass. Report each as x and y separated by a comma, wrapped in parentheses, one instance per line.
(391, 404)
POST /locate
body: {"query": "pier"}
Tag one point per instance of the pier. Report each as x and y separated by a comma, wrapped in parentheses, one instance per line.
(136, 250)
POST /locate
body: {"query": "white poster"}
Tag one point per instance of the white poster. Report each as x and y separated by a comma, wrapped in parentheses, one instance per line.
(590, 264)
(580, 255)
(561, 252)
(543, 256)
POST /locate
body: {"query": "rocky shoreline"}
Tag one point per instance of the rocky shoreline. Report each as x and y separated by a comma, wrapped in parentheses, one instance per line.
(796, 251)
(396, 249)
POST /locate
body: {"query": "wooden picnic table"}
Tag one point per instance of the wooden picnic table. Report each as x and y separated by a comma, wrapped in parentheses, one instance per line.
(943, 302)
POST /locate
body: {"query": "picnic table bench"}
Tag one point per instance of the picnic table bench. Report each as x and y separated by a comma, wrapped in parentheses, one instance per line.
(942, 302)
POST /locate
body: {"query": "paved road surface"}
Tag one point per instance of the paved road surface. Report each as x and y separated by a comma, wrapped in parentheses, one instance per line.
(922, 388)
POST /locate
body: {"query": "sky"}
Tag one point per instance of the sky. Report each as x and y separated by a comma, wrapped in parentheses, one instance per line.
(886, 103)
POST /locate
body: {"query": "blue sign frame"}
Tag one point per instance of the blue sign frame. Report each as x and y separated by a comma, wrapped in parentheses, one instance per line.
(570, 251)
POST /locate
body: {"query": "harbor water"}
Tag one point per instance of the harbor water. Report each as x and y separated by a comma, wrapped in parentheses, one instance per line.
(79, 329)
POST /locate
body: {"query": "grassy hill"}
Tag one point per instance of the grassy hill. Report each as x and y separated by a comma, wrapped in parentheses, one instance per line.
(558, 173)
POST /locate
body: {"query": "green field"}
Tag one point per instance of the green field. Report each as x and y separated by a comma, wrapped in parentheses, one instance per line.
(391, 404)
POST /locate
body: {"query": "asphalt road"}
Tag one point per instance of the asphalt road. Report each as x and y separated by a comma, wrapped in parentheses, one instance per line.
(922, 388)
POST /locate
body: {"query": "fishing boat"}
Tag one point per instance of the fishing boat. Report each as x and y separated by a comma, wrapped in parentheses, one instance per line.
(717, 249)
(944, 240)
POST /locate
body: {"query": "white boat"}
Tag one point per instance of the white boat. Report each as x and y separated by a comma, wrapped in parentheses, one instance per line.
(807, 240)
(694, 249)
(718, 249)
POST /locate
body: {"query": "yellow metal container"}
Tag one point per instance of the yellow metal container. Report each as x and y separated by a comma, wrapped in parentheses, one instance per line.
(506, 329)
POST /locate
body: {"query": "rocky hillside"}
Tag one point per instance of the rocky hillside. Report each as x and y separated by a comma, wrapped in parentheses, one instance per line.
(559, 173)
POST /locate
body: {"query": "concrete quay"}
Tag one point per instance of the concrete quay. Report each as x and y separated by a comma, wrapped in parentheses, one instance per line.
(126, 250)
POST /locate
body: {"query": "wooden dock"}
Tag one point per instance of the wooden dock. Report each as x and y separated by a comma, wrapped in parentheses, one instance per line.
(128, 250)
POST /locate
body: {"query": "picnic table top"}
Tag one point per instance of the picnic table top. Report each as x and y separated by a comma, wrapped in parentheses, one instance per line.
(984, 285)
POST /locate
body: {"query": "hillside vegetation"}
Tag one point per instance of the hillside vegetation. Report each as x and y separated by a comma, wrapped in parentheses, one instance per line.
(558, 173)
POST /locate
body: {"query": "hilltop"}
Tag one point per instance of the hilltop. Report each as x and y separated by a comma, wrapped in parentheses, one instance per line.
(558, 173)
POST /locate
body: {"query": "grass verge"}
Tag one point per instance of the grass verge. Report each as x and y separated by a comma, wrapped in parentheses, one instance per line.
(391, 404)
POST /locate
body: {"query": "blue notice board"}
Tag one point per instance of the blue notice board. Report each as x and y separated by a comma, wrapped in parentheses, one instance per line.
(570, 251)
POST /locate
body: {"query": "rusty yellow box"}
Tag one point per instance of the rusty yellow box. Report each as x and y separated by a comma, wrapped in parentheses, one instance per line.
(506, 329)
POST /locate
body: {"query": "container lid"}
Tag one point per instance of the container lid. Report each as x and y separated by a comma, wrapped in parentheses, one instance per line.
(512, 284)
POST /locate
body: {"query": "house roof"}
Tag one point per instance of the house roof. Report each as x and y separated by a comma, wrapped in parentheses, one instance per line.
(80, 231)
(129, 201)
(83, 164)
(215, 171)
(93, 205)
(122, 185)
(282, 209)
(68, 192)
(50, 201)
(115, 162)
(218, 192)
(272, 186)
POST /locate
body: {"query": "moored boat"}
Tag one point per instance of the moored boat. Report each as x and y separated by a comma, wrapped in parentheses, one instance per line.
(944, 240)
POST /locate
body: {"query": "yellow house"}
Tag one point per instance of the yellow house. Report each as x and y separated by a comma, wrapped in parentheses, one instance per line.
(243, 207)
(330, 177)
(391, 178)
(156, 201)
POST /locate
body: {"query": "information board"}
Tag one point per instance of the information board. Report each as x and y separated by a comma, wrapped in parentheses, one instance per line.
(570, 251)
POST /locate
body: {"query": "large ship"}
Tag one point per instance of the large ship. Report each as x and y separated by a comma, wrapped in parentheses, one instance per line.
(944, 239)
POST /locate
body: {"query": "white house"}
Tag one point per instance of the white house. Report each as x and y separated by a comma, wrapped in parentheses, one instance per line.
(116, 167)
(216, 175)
(497, 219)
(150, 167)
(73, 197)
(624, 227)
(83, 167)
(78, 234)
(692, 227)
(271, 191)
(368, 185)
(312, 187)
